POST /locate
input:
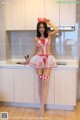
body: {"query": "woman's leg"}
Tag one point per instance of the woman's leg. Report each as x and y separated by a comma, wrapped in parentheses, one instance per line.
(39, 72)
(46, 75)
(45, 80)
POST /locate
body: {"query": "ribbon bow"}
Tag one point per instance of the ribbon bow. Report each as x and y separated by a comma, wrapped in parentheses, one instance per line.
(41, 19)
(43, 41)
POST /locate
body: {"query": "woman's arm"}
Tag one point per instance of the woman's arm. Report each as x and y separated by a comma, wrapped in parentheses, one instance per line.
(33, 53)
(35, 48)
(55, 29)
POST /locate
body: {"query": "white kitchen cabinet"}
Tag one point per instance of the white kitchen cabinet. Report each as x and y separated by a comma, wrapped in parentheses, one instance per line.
(19, 84)
(51, 10)
(50, 95)
(67, 14)
(34, 10)
(6, 85)
(15, 15)
(65, 86)
(23, 14)
(24, 85)
(36, 93)
(62, 87)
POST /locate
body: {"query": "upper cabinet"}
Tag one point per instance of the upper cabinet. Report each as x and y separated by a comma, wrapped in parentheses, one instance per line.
(15, 15)
(34, 10)
(51, 11)
(67, 14)
(23, 14)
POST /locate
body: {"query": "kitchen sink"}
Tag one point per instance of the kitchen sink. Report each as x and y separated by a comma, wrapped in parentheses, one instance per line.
(61, 63)
(19, 63)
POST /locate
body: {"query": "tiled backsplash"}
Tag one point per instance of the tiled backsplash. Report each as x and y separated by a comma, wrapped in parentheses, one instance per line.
(22, 43)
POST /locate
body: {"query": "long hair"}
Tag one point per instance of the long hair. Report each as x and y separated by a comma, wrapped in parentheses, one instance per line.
(46, 29)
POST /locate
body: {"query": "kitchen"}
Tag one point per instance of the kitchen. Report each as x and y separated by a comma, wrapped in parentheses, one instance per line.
(17, 30)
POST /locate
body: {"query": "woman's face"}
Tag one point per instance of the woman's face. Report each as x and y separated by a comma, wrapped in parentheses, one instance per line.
(41, 28)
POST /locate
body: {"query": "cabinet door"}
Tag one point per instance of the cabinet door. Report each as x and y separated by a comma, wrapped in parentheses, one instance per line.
(50, 93)
(36, 92)
(67, 14)
(24, 85)
(65, 86)
(6, 85)
(15, 15)
(34, 10)
(52, 11)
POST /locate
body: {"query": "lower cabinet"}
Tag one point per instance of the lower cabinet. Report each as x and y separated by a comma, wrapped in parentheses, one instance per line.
(36, 93)
(62, 87)
(65, 86)
(21, 85)
(6, 85)
(24, 85)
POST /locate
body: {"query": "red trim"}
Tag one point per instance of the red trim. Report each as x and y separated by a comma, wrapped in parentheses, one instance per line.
(45, 77)
(40, 77)
(43, 54)
(42, 41)
(45, 57)
(34, 65)
(42, 20)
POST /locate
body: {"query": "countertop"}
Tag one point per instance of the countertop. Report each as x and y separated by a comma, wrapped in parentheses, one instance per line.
(61, 63)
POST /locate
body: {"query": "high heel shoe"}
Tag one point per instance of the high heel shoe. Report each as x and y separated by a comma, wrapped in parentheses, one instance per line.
(40, 118)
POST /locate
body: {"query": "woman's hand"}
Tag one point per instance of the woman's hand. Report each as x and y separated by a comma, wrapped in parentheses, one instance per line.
(26, 62)
(47, 21)
(52, 33)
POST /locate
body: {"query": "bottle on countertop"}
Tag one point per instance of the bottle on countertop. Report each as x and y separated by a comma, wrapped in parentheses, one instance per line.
(26, 57)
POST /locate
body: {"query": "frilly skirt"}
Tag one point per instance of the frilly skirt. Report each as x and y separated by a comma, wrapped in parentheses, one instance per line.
(43, 61)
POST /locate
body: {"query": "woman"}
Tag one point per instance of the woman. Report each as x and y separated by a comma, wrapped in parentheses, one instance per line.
(42, 59)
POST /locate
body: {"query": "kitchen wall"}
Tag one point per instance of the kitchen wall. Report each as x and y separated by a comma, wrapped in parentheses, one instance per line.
(21, 43)
(78, 21)
(63, 45)
(2, 33)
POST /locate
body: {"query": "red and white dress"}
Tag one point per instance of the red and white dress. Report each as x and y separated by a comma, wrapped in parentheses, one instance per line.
(43, 59)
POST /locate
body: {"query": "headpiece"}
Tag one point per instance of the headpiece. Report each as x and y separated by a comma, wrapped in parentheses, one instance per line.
(41, 19)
